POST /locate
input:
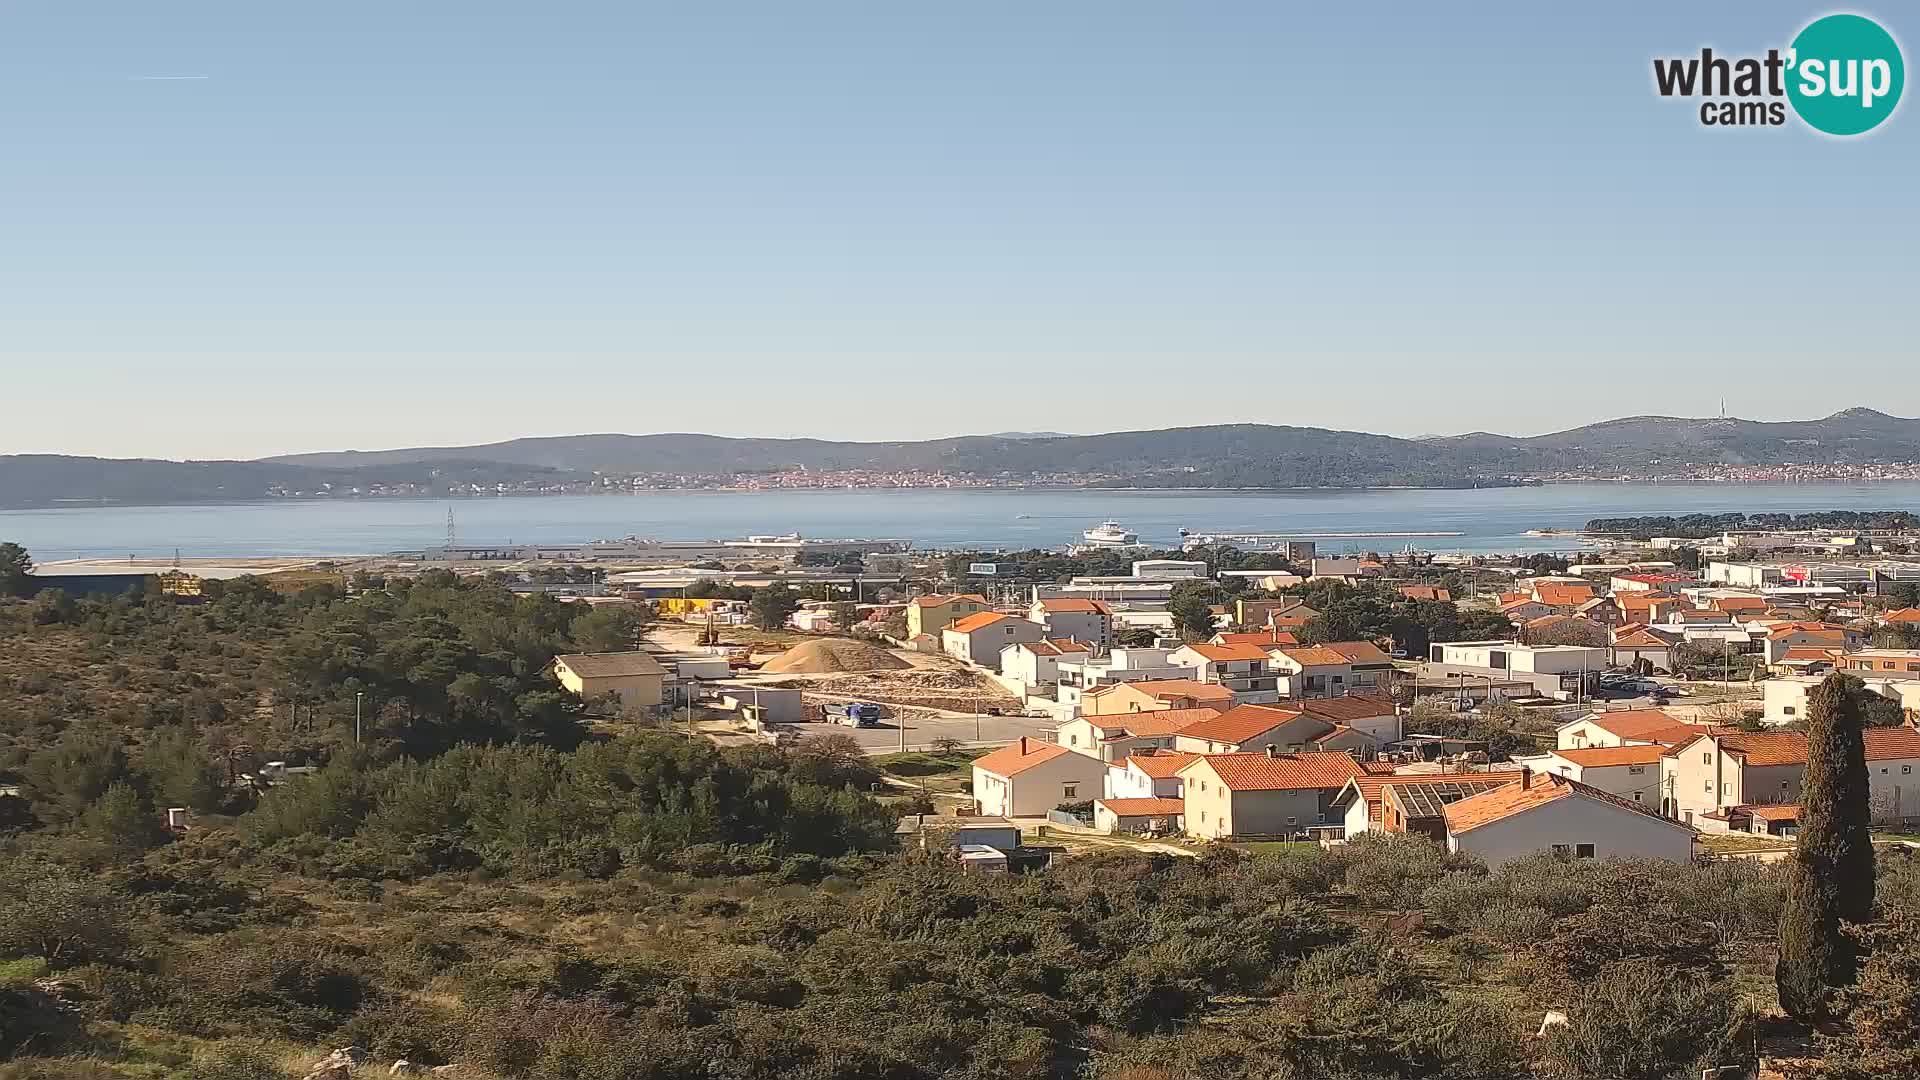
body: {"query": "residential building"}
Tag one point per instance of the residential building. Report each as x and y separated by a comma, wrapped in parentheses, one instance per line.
(1150, 694)
(1150, 815)
(1311, 671)
(1242, 669)
(1563, 630)
(1563, 671)
(1090, 621)
(934, 613)
(1631, 772)
(1719, 771)
(1642, 648)
(1262, 614)
(979, 638)
(1906, 616)
(1541, 813)
(1175, 569)
(1784, 699)
(1149, 775)
(1246, 728)
(1028, 778)
(1417, 803)
(1525, 609)
(1368, 665)
(1268, 794)
(1602, 610)
(1078, 677)
(1116, 736)
(1425, 592)
(1563, 598)
(635, 679)
(1882, 663)
(1625, 727)
(1781, 637)
(1037, 663)
(955, 831)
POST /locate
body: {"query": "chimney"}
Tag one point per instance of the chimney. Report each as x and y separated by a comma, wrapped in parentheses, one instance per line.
(1526, 776)
(1273, 751)
(1023, 746)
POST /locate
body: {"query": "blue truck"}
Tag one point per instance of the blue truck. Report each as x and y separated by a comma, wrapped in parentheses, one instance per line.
(854, 714)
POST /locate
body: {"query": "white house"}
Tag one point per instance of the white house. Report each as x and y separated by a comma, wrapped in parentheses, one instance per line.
(1147, 775)
(1785, 697)
(1089, 621)
(1539, 813)
(1624, 727)
(1242, 669)
(1311, 671)
(1114, 736)
(1631, 772)
(1037, 663)
(1028, 778)
(979, 638)
(1077, 677)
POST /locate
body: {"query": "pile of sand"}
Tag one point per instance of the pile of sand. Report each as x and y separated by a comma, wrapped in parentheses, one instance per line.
(829, 655)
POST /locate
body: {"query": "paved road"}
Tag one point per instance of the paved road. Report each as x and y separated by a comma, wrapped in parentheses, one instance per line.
(921, 733)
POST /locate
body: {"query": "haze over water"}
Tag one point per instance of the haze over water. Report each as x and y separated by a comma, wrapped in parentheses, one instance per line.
(1488, 519)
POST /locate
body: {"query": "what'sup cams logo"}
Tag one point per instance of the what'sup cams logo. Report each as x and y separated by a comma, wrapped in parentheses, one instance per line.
(1842, 75)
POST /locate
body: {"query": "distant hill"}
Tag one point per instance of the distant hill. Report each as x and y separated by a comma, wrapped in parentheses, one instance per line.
(1225, 455)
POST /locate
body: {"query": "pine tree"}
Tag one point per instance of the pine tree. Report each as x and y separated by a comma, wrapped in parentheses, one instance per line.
(1830, 876)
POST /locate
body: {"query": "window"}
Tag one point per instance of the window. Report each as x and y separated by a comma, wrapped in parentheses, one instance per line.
(1636, 796)
(1563, 850)
(1706, 758)
(1203, 817)
(1636, 770)
(1070, 791)
(1583, 851)
(1709, 788)
(1073, 740)
(1788, 710)
(1726, 789)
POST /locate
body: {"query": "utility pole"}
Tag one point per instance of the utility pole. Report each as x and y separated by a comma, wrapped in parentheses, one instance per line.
(358, 696)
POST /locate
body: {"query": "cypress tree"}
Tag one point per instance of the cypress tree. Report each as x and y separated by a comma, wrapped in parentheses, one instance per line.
(1830, 876)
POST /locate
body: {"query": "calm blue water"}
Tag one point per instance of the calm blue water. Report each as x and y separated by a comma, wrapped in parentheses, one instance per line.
(1490, 519)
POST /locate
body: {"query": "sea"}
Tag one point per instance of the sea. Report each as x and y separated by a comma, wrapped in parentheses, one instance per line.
(1483, 520)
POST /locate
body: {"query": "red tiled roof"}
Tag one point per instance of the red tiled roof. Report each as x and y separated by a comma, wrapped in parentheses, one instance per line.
(1538, 790)
(1902, 615)
(1892, 743)
(941, 600)
(1229, 652)
(1825, 630)
(1280, 772)
(1147, 725)
(1563, 595)
(1314, 656)
(1172, 688)
(1143, 807)
(979, 620)
(1810, 652)
(1641, 638)
(1602, 756)
(1054, 647)
(1425, 592)
(1161, 766)
(1781, 812)
(1738, 603)
(1240, 723)
(1017, 757)
(1634, 723)
(1360, 652)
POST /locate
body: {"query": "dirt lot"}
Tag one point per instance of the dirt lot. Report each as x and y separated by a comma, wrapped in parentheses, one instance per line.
(948, 690)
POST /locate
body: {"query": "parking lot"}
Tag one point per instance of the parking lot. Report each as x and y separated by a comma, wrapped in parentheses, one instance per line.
(921, 733)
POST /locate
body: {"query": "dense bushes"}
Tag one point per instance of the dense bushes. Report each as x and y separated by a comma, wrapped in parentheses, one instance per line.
(649, 800)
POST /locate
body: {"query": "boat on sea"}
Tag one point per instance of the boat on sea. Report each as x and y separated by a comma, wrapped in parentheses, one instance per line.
(1110, 534)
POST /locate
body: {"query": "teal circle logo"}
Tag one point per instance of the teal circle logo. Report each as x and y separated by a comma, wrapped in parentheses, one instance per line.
(1844, 74)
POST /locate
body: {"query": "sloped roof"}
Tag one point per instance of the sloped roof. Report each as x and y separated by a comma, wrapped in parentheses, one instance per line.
(1637, 724)
(979, 620)
(1143, 807)
(1369, 786)
(1161, 766)
(1019, 756)
(1738, 603)
(1240, 723)
(1170, 688)
(1563, 595)
(1314, 656)
(1824, 630)
(1425, 592)
(611, 665)
(943, 599)
(1228, 652)
(1280, 772)
(1641, 638)
(1781, 812)
(1053, 647)
(1537, 790)
(1892, 743)
(1902, 615)
(1602, 756)
(1148, 725)
(1360, 652)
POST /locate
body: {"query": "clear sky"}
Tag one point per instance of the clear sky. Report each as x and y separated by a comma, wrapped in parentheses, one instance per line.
(240, 228)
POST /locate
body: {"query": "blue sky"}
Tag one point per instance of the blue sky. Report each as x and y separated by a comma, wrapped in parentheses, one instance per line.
(368, 224)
